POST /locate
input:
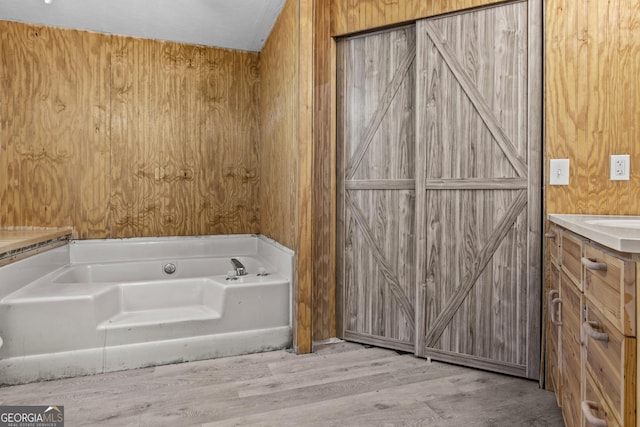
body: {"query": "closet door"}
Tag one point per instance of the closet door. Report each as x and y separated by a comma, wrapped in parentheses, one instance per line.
(478, 188)
(376, 188)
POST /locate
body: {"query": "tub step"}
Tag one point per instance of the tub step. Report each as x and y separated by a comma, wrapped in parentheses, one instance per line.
(128, 319)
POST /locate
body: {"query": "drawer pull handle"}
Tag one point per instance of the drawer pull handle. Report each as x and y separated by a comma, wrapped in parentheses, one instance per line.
(589, 329)
(550, 235)
(594, 265)
(553, 301)
(587, 409)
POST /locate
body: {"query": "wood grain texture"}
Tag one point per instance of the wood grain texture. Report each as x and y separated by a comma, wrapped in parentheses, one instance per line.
(184, 139)
(278, 129)
(341, 384)
(571, 351)
(303, 291)
(592, 103)
(124, 137)
(324, 204)
(54, 129)
(286, 151)
(473, 115)
(354, 16)
(376, 151)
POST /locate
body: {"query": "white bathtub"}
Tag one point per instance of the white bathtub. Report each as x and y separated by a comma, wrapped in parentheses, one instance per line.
(105, 305)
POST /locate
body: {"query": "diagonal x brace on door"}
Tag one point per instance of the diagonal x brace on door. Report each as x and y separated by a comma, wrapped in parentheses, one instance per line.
(387, 271)
(477, 99)
(484, 257)
(383, 106)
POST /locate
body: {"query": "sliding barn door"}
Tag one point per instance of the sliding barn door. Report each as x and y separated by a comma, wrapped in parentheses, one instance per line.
(376, 188)
(478, 189)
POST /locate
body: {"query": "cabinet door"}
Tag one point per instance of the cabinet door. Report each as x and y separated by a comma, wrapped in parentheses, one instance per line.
(572, 372)
(478, 188)
(553, 325)
(376, 188)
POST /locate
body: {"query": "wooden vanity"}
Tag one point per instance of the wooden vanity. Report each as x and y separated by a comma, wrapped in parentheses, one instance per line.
(591, 347)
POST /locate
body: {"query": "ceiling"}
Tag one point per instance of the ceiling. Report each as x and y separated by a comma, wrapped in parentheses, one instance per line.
(232, 24)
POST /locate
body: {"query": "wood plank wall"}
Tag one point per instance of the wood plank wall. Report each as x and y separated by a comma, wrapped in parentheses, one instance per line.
(54, 128)
(324, 177)
(124, 137)
(352, 16)
(286, 150)
(592, 103)
(278, 129)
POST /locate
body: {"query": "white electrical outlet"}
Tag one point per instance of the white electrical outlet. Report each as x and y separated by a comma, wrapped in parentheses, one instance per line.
(620, 167)
(559, 171)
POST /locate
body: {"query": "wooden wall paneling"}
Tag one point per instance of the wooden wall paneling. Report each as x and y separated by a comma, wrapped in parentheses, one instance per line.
(54, 124)
(599, 146)
(572, 68)
(613, 92)
(303, 294)
(148, 154)
(324, 179)
(286, 151)
(629, 65)
(229, 176)
(278, 129)
(555, 97)
(177, 156)
(581, 111)
(352, 16)
(184, 139)
(590, 101)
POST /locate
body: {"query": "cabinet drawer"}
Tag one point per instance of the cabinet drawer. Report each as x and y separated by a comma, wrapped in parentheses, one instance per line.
(610, 358)
(610, 283)
(571, 251)
(594, 408)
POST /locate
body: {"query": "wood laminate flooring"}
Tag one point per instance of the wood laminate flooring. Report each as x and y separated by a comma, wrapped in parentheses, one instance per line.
(340, 384)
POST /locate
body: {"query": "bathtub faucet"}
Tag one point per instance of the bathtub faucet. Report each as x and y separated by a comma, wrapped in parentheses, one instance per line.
(239, 267)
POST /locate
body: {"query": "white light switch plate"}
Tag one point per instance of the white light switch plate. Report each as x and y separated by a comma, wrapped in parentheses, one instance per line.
(559, 171)
(620, 167)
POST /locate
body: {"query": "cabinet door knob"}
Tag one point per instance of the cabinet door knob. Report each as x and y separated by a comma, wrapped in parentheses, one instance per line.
(594, 265)
(587, 409)
(550, 235)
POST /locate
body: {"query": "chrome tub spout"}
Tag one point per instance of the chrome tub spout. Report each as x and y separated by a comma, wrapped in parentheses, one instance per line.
(238, 267)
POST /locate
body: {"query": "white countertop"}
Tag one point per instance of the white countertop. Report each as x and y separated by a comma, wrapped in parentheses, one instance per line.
(623, 238)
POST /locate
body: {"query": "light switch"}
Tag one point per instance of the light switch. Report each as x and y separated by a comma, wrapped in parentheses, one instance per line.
(559, 171)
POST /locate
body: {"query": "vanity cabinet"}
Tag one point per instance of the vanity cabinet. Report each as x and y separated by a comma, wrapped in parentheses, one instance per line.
(591, 328)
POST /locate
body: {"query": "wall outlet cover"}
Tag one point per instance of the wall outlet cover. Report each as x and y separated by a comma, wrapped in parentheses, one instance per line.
(559, 172)
(620, 167)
